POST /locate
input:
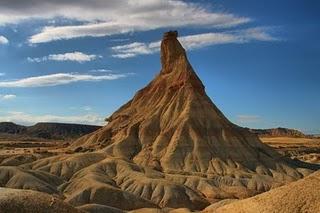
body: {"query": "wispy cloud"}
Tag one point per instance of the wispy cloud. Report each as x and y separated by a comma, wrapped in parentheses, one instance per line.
(73, 56)
(81, 108)
(87, 108)
(119, 39)
(134, 49)
(2, 74)
(7, 97)
(26, 118)
(246, 119)
(196, 41)
(58, 79)
(3, 40)
(101, 71)
(103, 18)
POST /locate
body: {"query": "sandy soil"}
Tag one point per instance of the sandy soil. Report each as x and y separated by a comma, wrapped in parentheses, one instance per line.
(296, 197)
(17, 152)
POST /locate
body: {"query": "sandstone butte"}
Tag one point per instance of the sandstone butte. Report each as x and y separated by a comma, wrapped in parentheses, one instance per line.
(169, 147)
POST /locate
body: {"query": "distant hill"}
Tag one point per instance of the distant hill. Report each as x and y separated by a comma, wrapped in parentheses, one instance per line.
(278, 132)
(62, 131)
(11, 128)
(57, 131)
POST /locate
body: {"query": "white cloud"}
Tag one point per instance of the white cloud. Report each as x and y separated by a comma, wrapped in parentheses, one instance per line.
(73, 56)
(101, 71)
(87, 108)
(245, 119)
(7, 97)
(37, 60)
(257, 33)
(103, 18)
(3, 40)
(196, 41)
(119, 39)
(58, 79)
(136, 48)
(26, 118)
(82, 108)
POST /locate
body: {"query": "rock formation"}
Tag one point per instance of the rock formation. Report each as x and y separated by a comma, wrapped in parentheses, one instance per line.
(172, 126)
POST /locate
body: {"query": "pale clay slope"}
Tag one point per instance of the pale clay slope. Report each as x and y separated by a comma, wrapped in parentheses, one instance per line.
(296, 197)
(27, 201)
(169, 147)
(15, 177)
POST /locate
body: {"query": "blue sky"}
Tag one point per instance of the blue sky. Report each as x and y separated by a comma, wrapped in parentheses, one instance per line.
(78, 61)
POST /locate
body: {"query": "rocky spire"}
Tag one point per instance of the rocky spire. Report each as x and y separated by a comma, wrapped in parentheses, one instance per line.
(171, 50)
(174, 61)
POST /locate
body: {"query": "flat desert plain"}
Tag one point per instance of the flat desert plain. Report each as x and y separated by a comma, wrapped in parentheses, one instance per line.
(304, 149)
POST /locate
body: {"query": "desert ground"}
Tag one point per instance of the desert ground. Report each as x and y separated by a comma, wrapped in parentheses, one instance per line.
(304, 149)
(17, 152)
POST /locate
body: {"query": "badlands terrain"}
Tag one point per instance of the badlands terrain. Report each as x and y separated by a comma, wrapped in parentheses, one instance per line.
(169, 149)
